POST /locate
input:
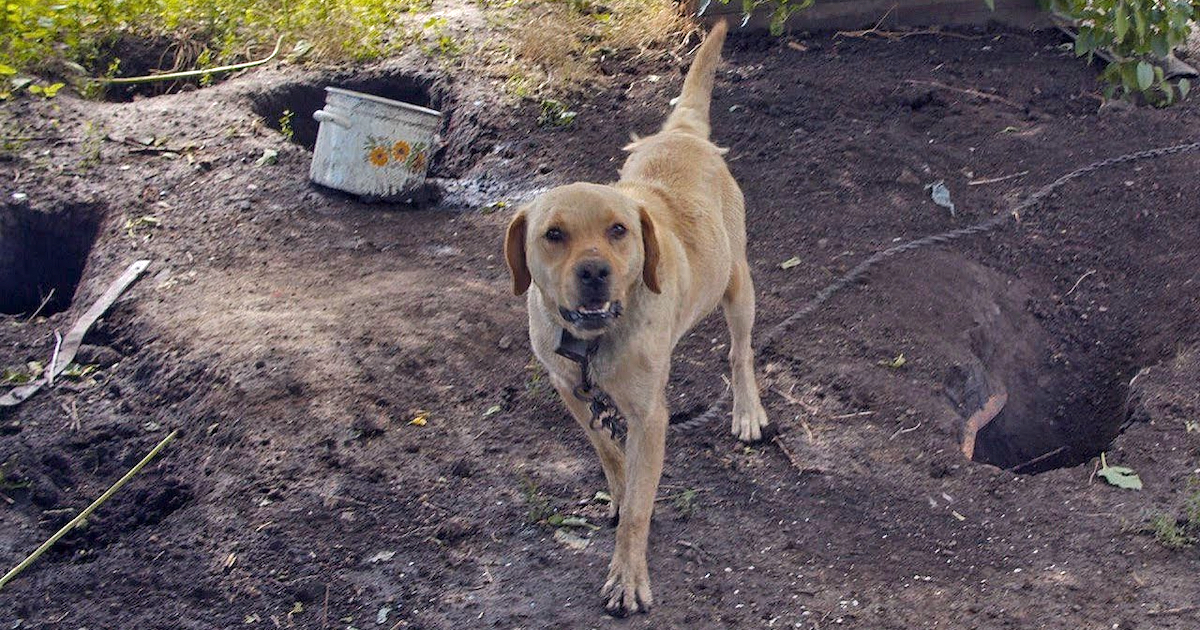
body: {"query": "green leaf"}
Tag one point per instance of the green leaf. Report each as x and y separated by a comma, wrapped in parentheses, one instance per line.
(1160, 45)
(493, 410)
(1127, 74)
(1121, 477)
(7, 70)
(1121, 22)
(1083, 42)
(991, 4)
(789, 263)
(1145, 75)
(1185, 86)
(76, 371)
(13, 377)
(269, 157)
(51, 90)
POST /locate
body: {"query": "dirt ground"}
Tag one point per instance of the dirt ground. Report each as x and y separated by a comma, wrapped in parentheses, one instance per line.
(290, 333)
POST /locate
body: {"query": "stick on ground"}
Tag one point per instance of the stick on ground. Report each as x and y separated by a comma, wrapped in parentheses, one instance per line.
(86, 512)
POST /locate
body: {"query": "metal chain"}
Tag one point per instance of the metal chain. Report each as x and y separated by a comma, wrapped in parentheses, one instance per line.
(716, 408)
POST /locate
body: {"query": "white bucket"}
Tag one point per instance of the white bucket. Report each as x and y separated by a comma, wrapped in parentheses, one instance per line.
(372, 146)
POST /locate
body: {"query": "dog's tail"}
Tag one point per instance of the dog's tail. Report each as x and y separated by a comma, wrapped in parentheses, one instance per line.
(691, 111)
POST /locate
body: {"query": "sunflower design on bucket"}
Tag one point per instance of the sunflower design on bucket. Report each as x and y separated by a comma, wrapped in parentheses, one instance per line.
(400, 151)
(378, 156)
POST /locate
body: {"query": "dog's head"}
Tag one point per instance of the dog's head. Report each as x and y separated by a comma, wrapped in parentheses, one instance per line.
(586, 247)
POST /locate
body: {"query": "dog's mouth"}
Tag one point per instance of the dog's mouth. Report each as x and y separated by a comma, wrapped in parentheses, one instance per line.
(591, 317)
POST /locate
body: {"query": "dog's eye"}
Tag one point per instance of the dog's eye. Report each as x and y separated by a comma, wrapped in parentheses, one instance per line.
(555, 235)
(617, 231)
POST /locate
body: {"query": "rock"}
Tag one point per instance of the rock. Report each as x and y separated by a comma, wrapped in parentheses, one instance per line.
(1115, 106)
(506, 342)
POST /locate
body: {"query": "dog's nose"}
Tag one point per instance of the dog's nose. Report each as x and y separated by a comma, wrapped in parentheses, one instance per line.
(593, 274)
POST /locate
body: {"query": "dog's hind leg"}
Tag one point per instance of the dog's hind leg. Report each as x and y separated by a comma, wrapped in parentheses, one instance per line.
(612, 457)
(749, 418)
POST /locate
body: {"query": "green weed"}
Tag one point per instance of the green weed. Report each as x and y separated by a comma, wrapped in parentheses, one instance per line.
(90, 147)
(285, 124)
(539, 508)
(537, 384)
(555, 114)
(1178, 530)
(685, 503)
(781, 11)
(441, 44)
(7, 482)
(1169, 533)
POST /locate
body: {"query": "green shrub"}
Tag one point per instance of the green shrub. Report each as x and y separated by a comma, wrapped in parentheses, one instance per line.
(39, 36)
(781, 10)
(1132, 30)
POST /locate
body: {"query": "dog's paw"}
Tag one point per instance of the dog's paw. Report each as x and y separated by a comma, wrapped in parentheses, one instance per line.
(627, 590)
(750, 425)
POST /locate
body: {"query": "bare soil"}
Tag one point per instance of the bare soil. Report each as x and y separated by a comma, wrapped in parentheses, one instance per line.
(291, 333)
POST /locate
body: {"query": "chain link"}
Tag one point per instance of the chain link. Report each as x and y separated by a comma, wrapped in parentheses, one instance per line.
(716, 409)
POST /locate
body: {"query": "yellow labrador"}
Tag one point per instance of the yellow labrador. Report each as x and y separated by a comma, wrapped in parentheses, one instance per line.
(625, 270)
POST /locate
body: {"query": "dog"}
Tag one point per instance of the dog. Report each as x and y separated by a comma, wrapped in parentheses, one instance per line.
(619, 273)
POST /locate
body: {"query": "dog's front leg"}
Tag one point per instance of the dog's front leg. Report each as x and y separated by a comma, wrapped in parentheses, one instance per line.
(612, 459)
(627, 589)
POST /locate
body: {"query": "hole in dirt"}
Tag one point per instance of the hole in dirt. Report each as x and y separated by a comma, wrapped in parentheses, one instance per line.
(1030, 410)
(43, 255)
(1066, 421)
(137, 56)
(302, 99)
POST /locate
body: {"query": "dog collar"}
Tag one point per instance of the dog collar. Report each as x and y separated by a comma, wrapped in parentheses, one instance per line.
(604, 412)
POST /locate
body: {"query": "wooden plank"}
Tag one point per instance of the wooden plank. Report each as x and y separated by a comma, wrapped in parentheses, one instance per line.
(858, 14)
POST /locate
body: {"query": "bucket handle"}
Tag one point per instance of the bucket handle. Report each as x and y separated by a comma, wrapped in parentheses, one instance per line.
(323, 116)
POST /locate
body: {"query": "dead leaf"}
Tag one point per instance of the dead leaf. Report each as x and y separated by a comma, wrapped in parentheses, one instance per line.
(571, 540)
(896, 363)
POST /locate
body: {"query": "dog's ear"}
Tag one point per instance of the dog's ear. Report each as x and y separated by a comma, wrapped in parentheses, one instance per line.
(514, 253)
(650, 247)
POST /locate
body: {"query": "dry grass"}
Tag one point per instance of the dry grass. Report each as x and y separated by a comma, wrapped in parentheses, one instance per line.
(539, 48)
(558, 47)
